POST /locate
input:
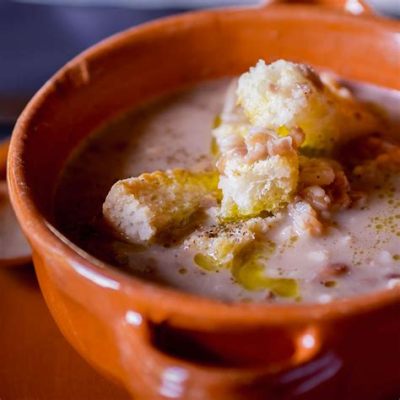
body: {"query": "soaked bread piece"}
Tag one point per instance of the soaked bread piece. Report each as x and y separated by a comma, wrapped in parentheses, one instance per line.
(262, 186)
(270, 113)
(221, 245)
(141, 208)
(284, 95)
(259, 170)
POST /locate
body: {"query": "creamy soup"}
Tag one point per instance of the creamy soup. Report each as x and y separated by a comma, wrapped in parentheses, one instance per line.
(359, 252)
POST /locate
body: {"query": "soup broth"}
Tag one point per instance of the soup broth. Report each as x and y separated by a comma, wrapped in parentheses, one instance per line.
(359, 252)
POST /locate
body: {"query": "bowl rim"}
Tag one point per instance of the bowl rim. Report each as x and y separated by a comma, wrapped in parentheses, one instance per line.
(42, 234)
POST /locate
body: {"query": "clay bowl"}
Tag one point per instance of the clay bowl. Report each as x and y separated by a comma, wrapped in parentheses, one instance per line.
(161, 343)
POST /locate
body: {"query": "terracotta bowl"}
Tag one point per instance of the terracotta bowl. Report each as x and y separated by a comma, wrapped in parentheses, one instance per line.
(161, 343)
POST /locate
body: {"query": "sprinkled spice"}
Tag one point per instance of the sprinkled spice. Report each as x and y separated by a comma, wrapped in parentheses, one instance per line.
(329, 284)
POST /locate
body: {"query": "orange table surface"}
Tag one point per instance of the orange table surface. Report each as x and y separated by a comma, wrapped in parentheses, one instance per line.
(36, 362)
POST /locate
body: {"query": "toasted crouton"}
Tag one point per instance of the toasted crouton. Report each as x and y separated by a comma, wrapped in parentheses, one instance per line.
(140, 208)
(284, 95)
(251, 188)
(241, 246)
(219, 246)
(259, 171)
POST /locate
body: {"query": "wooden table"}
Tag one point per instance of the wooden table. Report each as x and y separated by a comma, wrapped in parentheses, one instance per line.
(36, 362)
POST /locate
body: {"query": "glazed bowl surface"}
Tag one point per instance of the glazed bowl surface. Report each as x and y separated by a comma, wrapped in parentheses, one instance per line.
(161, 343)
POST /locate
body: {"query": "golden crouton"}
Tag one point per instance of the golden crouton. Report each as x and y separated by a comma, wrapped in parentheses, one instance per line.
(284, 95)
(221, 245)
(265, 185)
(242, 247)
(259, 170)
(141, 208)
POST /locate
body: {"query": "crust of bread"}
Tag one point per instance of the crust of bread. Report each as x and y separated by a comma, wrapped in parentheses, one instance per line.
(141, 208)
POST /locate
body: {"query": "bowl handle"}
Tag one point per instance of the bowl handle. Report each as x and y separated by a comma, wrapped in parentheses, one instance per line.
(158, 374)
(355, 7)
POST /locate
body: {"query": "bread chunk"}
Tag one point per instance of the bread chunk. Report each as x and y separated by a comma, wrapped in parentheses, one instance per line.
(220, 246)
(284, 95)
(140, 208)
(252, 188)
(259, 170)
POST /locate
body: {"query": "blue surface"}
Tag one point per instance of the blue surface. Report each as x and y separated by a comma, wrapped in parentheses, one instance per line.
(5, 131)
(36, 40)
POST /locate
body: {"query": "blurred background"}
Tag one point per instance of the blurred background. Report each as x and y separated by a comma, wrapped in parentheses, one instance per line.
(38, 36)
